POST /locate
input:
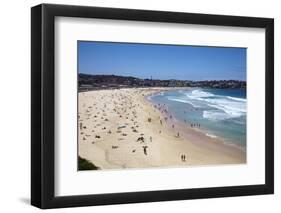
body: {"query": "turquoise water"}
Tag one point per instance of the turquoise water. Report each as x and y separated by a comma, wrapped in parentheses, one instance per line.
(220, 112)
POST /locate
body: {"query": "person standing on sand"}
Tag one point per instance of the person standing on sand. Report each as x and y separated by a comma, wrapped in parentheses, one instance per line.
(144, 149)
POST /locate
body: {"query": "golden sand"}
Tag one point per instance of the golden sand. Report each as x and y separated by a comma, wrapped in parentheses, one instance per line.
(121, 129)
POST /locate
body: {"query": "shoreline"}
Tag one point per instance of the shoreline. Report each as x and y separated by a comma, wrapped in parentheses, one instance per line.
(121, 129)
(190, 133)
(204, 132)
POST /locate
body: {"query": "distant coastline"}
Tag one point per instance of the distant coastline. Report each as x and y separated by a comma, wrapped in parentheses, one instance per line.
(89, 82)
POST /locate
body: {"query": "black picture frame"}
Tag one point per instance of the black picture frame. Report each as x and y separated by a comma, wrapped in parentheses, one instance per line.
(43, 105)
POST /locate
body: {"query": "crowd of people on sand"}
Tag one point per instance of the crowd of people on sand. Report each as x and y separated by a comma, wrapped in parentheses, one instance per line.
(125, 109)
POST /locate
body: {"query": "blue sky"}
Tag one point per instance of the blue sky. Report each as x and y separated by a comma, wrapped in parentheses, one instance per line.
(161, 61)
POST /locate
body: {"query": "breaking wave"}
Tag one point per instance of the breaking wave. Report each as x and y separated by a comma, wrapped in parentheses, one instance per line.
(214, 107)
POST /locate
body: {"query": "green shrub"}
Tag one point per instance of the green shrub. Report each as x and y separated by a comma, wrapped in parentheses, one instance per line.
(84, 164)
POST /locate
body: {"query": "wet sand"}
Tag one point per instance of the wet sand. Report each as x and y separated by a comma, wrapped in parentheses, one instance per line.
(122, 129)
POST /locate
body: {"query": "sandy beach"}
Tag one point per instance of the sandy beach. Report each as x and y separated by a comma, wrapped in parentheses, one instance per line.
(120, 128)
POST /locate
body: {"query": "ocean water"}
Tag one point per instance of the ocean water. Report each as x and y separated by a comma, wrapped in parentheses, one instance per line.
(220, 112)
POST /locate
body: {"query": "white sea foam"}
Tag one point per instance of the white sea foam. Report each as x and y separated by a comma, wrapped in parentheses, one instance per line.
(216, 107)
(194, 97)
(224, 110)
(237, 99)
(199, 94)
(225, 106)
(215, 115)
(233, 108)
(183, 101)
(210, 135)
